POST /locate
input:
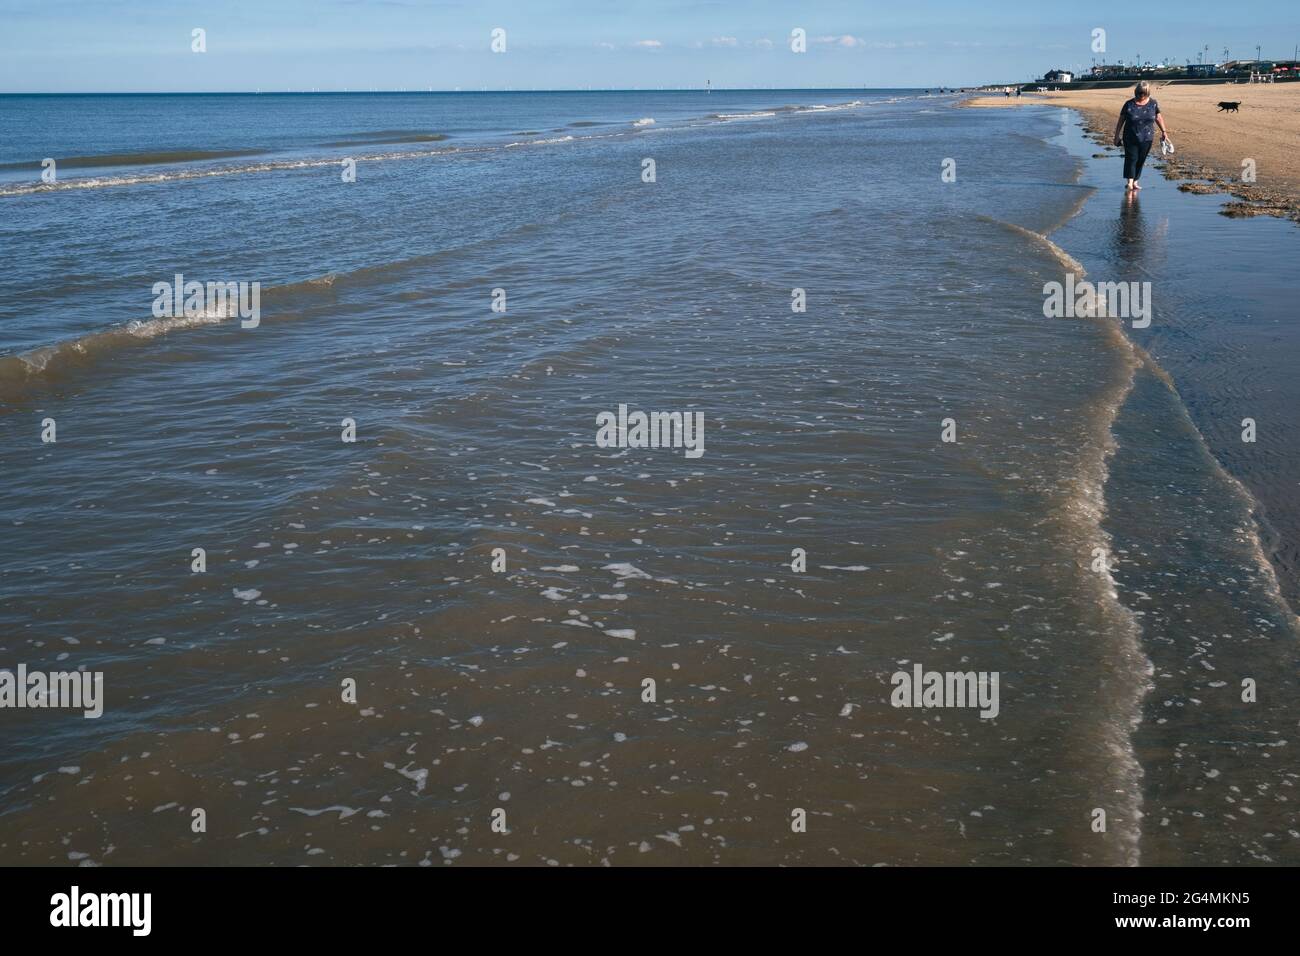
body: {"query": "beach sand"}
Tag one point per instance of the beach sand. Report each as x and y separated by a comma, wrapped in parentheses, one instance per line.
(1211, 145)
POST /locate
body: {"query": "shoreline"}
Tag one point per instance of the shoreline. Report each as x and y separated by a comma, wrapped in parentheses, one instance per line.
(1212, 147)
(1269, 541)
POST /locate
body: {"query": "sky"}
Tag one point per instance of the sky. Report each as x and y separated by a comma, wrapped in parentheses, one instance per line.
(269, 45)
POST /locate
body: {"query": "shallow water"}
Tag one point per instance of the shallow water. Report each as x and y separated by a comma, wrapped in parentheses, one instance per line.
(476, 430)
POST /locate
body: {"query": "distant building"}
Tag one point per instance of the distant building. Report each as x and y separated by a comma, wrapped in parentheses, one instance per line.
(1110, 71)
(1243, 67)
(1270, 70)
(1058, 76)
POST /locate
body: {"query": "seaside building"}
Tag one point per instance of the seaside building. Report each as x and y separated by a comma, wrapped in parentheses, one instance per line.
(1278, 69)
(1227, 70)
(1134, 71)
(1109, 71)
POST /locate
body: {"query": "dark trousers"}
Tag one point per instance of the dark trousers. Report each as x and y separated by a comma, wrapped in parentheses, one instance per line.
(1135, 155)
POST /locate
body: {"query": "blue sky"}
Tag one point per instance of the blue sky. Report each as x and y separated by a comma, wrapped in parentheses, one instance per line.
(144, 45)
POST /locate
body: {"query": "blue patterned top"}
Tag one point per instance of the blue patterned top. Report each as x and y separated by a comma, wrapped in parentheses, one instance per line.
(1140, 121)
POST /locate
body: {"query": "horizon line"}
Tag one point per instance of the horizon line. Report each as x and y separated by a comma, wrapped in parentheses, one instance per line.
(425, 92)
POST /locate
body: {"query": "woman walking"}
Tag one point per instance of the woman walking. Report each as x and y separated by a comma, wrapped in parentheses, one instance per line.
(1135, 131)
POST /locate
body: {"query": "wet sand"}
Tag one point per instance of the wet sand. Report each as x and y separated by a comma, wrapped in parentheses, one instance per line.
(1211, 145)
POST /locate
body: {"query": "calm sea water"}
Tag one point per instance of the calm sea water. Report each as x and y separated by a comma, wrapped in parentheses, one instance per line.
(333, 563)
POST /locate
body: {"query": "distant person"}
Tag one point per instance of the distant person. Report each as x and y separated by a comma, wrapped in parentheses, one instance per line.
(1018, 92)
(1135, 131)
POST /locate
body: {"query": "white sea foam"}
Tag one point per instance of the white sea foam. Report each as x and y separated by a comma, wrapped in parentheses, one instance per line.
(625, 571)
(343, 812)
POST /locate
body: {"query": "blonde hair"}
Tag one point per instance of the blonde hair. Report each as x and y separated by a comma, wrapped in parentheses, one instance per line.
(1142, 89)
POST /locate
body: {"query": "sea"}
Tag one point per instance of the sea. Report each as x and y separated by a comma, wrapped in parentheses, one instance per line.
(365, 586)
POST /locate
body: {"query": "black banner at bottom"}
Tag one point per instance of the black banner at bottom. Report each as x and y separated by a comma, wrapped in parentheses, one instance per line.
(337, 905)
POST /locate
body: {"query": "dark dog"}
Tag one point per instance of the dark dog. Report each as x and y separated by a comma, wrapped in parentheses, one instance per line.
(1227, 107)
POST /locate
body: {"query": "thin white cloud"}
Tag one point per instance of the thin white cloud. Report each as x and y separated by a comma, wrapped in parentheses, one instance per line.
(648, 44)
(725, 41)
(846, 40)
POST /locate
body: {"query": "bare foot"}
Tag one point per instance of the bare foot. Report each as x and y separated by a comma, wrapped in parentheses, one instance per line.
(1135, 185)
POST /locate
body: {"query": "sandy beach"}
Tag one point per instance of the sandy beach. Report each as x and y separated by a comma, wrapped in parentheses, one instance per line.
(1212, 146)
